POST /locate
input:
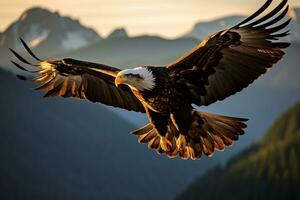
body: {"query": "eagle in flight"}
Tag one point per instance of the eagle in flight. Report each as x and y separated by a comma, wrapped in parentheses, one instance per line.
(221, 65)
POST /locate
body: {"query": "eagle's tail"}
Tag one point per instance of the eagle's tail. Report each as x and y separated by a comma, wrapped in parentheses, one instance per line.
(212, 131)
(207, 132)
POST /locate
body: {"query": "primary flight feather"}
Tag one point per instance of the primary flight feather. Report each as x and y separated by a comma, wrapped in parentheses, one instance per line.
(221, 65)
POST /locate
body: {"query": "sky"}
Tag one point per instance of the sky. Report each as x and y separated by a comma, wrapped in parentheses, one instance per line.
(168, 18)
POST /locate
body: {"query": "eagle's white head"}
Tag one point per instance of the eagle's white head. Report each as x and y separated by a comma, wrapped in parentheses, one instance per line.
(139, 78)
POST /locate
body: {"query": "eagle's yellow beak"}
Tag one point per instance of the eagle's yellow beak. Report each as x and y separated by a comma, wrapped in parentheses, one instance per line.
(119, 80)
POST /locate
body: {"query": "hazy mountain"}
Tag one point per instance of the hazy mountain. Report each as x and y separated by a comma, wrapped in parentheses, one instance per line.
(270, 169)
(295, 25)
(47, 32)
(71, 149)
(118, 33)
(129, 52)
(203, 29)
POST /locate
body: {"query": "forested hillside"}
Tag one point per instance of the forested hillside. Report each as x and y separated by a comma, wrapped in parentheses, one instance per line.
(269, 169)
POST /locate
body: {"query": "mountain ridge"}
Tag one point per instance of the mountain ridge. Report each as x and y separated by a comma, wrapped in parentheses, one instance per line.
(47, 32)
(118, 33)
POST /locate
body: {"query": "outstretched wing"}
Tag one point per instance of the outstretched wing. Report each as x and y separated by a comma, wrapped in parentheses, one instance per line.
(85, 80)
(230, 60)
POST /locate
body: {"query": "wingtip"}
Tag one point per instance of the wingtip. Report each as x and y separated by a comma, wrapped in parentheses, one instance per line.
(11, 50)
(20, 57)
(255, 14)
(287, 45)
(19, 66)
(29, 50)
(21, 77)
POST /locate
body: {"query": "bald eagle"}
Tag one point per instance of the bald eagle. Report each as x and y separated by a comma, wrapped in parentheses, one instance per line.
(221, 65)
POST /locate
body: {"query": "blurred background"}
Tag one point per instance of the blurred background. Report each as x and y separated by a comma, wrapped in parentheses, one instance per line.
(71, 149)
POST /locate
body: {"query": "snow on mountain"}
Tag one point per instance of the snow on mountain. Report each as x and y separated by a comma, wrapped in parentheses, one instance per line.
(75, 40)
(35, 36)
(47, 32)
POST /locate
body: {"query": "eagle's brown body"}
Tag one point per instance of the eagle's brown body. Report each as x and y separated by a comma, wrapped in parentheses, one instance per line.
(164, 98)
(221, 65)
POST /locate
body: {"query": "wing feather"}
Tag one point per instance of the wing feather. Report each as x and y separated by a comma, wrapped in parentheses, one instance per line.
(230, 60)
(80, 79)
